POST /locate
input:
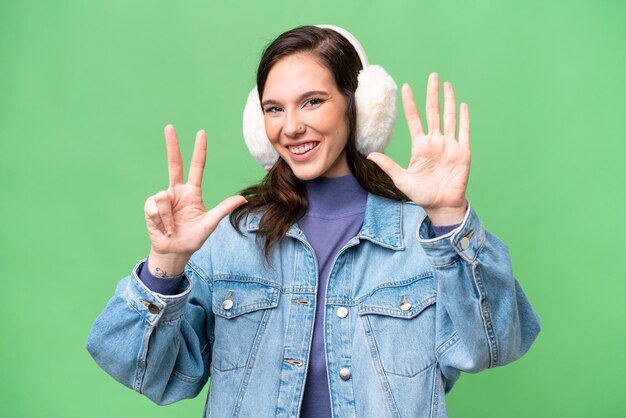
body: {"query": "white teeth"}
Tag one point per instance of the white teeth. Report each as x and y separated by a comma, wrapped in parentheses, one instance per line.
(304, 148)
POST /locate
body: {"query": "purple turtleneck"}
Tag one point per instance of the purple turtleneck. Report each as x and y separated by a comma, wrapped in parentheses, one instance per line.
(334, 216)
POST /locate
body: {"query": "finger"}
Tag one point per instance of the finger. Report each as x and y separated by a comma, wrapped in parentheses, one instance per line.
(432, 104)
(226, 206)
(464, 127)
(389, 166)
(152, 215)
(164, 206)
(174, 159)
(449, 110)
(410, 112)
(198, 160)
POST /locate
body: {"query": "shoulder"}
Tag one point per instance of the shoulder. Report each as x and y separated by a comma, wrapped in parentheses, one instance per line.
(409, 213)
(226, 241)
(412, 210)
(226, 231)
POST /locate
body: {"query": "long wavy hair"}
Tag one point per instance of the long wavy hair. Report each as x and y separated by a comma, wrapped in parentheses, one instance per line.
(281, 195)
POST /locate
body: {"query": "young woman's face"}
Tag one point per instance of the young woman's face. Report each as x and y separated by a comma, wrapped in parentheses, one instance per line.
(305, 117)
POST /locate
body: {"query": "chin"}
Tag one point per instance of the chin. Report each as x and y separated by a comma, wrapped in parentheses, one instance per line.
(306, 173)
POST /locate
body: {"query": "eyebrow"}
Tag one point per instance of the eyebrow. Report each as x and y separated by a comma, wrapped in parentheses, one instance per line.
(302, 96)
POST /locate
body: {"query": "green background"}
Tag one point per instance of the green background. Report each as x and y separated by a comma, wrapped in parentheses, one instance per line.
(86, 88)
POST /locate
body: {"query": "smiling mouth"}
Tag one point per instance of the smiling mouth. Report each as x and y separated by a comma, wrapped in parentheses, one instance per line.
(302, 149)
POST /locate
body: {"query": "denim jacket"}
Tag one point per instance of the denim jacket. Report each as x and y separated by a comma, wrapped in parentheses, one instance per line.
(405, 313)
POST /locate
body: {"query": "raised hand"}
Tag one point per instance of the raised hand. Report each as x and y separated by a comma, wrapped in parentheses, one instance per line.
(177, 220)
(438, 172)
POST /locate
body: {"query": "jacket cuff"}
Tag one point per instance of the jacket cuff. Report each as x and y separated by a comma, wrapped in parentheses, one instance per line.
(156, 307)
(464, 241)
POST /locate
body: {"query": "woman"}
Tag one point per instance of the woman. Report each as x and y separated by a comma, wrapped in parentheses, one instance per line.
(343, 285)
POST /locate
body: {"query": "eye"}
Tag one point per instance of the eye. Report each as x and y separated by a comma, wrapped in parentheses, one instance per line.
(314, 101)
(272, 109)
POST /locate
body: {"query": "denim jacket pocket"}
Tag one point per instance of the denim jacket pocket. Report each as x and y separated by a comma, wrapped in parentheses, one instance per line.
(242, 307)
(399, 321)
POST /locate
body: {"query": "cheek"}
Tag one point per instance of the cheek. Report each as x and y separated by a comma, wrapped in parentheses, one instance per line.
(330, 123)
(271, 129)
(340, 131)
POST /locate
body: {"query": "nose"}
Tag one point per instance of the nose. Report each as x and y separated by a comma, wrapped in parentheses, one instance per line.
(293, 126)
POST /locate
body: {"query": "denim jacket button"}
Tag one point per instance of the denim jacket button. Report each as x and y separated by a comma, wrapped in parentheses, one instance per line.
(405, 305)
(345, 373)
(228, 302)
(153, 309)
(464, 243)
(342, 312)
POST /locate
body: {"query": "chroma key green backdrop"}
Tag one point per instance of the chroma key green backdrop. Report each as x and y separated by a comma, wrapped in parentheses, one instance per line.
(86, 88)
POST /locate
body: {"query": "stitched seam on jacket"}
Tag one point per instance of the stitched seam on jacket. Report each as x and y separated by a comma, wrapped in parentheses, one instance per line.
(244, 278)
(485, 314)
(183, 377)
(142, 359)
(422, 370)
(375, 356)
(199, 272)
(447, 345)
(398, 283)
(434, 400)
(251, 359)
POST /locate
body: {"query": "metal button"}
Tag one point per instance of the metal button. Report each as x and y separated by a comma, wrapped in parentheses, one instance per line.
(228, 302)
(152, 308)
(342, 312)
(465, 242)
(298, 363)
(405, 305)
(345, 373)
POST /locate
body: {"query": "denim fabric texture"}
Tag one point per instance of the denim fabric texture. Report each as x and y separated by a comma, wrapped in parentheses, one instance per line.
(405, 313)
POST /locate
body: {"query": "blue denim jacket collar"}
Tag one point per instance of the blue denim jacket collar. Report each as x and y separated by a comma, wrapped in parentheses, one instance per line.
(382, 224)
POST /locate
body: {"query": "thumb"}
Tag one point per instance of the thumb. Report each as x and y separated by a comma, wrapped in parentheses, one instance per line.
(389, 166)
(212, 217)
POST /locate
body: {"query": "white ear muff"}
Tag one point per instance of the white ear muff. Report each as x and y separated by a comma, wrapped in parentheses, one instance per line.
(254, 132)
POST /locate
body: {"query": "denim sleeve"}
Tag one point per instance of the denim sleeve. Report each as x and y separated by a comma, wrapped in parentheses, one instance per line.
(157, 344)
(483, 317)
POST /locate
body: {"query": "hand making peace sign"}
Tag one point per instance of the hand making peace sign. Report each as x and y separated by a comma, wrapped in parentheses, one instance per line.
(438, 172)
(177, 221)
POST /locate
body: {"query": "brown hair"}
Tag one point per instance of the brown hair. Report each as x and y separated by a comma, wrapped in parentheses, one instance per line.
(281, 194)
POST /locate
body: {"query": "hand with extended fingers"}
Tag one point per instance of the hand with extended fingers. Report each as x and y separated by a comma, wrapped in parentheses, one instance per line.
(438, 172)
(177, 221)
